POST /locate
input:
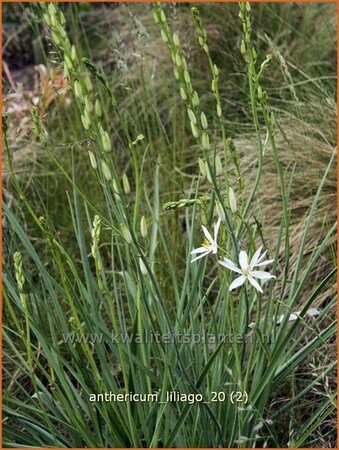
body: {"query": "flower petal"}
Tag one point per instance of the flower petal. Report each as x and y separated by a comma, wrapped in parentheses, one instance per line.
(201, 256)
(261, 257)
(207, 234)
(255, 283)
(255, 257)
(230, 265)
(262, 275)
(264, 263)
(243, 260)
(237, 282)
(216, 229)
(199, 250)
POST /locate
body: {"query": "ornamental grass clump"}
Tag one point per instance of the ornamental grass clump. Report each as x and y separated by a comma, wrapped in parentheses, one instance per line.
(210, 333)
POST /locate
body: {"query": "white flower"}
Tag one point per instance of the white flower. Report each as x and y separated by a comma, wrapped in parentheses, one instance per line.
(209, 245)
(247, 271)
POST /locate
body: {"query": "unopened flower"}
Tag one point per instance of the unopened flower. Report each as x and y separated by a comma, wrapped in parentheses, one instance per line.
(210, 243)
(246, 269)
(232, 200)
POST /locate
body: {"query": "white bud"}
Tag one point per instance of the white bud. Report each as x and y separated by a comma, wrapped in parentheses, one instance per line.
(143, 227)
(232, 200)
(218, 166)
(220, 211)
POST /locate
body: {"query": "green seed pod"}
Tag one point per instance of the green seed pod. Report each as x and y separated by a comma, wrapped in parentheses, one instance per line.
(106, 170)
(219, 112)
(143, 227)
(176, 73)
(125, 183)
(203, 120)
(92, 160)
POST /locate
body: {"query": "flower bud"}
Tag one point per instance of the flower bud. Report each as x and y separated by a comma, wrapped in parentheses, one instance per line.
(125, 183)
(205, 140)
(183, 93)
(176, 40)
(73, 53)
(126, 233)
(202, 167)
(85, 121)
(106, 141)
(106, 170)
(92, 159)
(142, 266)
(143, 227)
(77, 89)
(218, 166)
(191, 115)
(203, 119)
(194, 130)
(195, 99)
(232, 200)
(97, 108)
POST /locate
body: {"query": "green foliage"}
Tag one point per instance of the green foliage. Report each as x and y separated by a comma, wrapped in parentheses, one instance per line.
(80, 308)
